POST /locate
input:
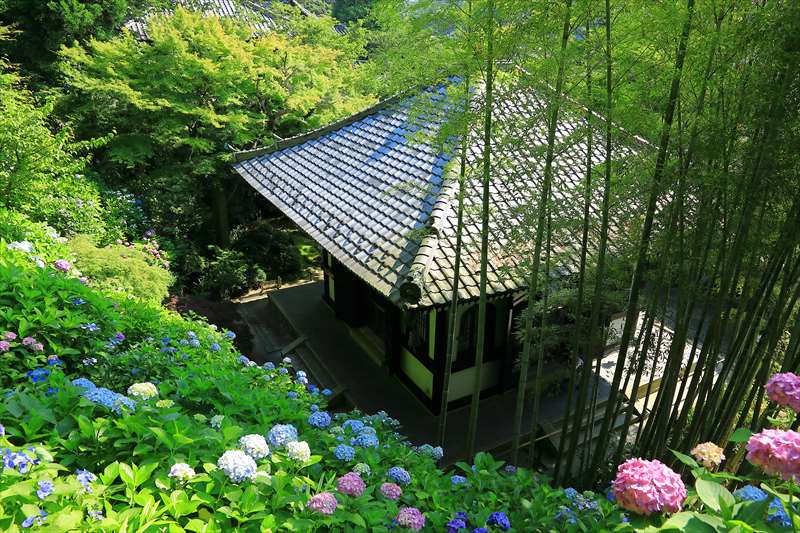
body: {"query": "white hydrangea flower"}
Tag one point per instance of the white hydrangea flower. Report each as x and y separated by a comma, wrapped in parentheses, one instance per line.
(298, 451)
(143, 391)
(22, 246)
(237, 465)
(181, 472)
(255, 446)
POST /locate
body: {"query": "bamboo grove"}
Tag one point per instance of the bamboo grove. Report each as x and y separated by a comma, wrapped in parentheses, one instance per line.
(693, 237)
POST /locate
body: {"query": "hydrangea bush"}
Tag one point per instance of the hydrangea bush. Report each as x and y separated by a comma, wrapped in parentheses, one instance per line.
(119, 416)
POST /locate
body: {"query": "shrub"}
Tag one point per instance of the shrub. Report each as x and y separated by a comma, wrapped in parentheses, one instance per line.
(272, 249)
(118, 268)
(228, 273)
(45, 242)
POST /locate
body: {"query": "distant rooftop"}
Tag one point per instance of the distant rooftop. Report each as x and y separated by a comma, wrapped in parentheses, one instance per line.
(254, 14)
(383, 202)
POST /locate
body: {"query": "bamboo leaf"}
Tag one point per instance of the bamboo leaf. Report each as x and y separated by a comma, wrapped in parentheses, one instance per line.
(741, 435)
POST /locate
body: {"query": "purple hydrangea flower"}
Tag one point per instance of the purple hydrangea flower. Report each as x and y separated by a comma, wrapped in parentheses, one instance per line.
(351, 484)
(9, 336)
(411, 518)
(391, 490)
(63, 265)
(5, 346)
(322, 503)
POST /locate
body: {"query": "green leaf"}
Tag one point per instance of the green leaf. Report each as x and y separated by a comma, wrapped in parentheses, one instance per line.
(741, 435)
(687, 521)
(685, 459)
(713, 495)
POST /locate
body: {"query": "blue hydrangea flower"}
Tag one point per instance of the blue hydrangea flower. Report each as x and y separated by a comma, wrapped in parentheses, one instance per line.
(2, 430)
(480, 530)
(319, 419)
(283, 370)
(750, 493)
(510, 469)
(343, 452)
(231, 335)
(461, 515)
(365, 440)
(313, 389)
(435, 453)
(327, 392)
(302, 381)
(243, 359)
(314, 407)
(291, 394)
(301, 374)
(20, 460)
(457, 480)
(194, 343)
(37, 519)
(565, 514)
(353, 425)
(91, 327)
(455, 525)
(280, 434)
(38, 375)
(499, 519)
(83, 383)
(269, 365)
(214, 347)
(95, 514)
(191, 334)
(776, 513)
(400, 475)
(45, 489)
(109, 399)
(77, 301)
(85, 478)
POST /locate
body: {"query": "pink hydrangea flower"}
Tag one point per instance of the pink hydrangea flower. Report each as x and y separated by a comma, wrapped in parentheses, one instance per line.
(322, 503)
(37, 347)
(784, 389)
(776, 452)
(351, 484)
(647, 487)
(62, 265)
(9, 336)
(5, 346)
(411, 518)
(391, 490)
(28, 341)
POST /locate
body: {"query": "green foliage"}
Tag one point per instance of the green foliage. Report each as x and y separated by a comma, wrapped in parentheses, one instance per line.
(45, 242)
(229, 273)
(43, 26)
(181, 103)
(271, 248)
(120, 269)
(351, 10)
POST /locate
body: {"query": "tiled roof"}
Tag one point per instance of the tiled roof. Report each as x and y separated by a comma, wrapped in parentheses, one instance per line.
(253, 13)
(384, 203)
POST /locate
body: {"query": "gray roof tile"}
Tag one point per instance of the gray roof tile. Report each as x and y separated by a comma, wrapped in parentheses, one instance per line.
(377, 188)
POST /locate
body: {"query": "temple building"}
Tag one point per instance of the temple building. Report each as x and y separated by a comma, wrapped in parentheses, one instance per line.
(378, 192)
